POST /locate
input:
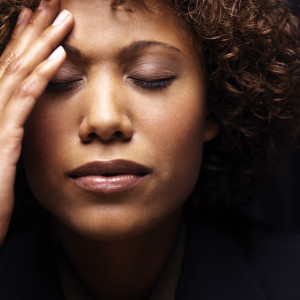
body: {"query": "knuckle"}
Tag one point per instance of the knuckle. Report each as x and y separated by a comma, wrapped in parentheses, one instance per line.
(14, 66)
(24, 90)
(29, 87)
(46, 36)
(8, 57)
(40, 73)
(33, 23)
(10, 135)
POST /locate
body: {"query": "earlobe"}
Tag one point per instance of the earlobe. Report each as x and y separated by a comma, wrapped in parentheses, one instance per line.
(211, 129)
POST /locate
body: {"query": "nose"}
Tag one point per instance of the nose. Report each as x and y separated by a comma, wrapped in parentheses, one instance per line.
(106, 115)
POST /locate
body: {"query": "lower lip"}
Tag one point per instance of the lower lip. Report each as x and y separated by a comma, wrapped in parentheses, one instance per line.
(109, 184)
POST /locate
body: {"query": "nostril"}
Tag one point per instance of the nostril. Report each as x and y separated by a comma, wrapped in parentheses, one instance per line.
(92, 136)
(95, 127)
(118, 134)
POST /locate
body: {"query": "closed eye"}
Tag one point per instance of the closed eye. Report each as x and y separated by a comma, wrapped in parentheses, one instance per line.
(62, 85)
(153, 84)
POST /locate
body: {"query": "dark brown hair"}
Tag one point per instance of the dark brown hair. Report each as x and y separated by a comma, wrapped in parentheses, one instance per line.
(251, 55)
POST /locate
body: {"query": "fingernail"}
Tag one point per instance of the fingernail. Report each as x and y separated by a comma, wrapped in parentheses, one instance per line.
(43, 4)
(61, 17)
(22, 15)
(57, 53)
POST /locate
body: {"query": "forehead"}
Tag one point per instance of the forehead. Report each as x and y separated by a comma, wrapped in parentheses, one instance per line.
(113, 24)
(129, 6)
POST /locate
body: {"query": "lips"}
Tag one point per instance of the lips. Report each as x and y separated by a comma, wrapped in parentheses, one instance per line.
(106, 177)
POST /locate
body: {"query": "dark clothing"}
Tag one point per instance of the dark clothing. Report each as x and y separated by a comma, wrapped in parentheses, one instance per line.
(27, 263)
(240, 262)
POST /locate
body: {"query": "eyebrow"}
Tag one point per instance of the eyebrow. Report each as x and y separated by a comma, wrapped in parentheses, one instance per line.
(133, 47)
(141, 45)
(72, 51)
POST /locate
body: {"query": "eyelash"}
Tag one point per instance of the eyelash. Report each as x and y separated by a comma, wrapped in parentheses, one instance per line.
(62, 85)
(153, 84)
(145, 84)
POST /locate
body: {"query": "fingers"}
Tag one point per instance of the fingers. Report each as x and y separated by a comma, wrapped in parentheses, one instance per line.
(30, 27)
(8, 52)
(27, 93)
(27, 69)
(22, 66)
(22, 21)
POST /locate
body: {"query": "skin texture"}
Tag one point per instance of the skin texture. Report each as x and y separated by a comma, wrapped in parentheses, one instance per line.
(108, 111)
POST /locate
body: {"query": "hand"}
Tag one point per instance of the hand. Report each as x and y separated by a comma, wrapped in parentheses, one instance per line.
(27, 64)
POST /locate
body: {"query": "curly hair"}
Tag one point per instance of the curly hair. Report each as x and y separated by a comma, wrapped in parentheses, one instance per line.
(251, 52)
(251, 55)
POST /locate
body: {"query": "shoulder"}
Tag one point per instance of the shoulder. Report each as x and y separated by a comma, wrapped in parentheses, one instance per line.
(251, 262)
(27, 264)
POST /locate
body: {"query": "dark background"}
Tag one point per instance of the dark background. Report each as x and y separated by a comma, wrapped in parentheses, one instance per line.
(278, 202)
(295, 5)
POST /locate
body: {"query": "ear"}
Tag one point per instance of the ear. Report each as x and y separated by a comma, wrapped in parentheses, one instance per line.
(211, 128)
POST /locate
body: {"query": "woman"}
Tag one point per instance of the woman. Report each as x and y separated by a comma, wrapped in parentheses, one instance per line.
(111, 104)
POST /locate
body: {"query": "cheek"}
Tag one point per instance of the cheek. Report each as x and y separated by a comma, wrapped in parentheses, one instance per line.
(47, 139)
(175, 140)
(180, 135)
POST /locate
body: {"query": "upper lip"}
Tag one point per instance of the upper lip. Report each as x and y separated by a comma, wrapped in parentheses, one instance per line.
(109, 168)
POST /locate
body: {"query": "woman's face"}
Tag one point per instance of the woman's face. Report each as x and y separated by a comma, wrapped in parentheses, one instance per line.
(130, 90)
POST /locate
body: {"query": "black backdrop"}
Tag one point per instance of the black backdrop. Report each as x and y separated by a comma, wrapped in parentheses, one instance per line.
(278, 202)
(295, 5)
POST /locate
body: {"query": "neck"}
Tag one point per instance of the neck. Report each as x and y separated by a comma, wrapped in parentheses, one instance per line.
(124, 269)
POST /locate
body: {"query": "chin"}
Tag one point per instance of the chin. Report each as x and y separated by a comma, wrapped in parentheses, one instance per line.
(109, 225)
